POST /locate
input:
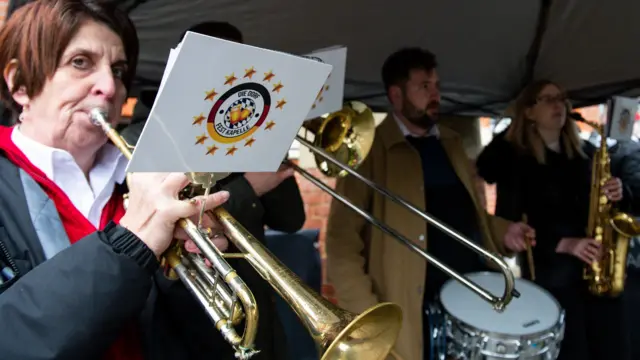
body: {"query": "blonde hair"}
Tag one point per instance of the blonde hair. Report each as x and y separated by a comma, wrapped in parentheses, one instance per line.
(525, 136)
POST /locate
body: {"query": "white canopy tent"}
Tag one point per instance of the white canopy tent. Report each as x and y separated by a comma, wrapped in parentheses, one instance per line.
(486, 49)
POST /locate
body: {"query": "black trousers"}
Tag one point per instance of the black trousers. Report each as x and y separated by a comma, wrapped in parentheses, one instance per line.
(596, 327)
(632, 308)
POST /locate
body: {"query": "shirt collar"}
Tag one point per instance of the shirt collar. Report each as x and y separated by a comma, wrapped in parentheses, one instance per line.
(434, 131)
(51, 160)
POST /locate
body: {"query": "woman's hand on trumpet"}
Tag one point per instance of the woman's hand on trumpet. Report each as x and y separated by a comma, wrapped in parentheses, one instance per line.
(217, 237)
(154, 210)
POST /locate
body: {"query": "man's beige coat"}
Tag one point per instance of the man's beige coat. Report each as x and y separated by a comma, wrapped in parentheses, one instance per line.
(365, 265)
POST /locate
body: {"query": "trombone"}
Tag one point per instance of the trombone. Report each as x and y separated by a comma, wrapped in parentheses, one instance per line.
(338, 334)
(342, 141)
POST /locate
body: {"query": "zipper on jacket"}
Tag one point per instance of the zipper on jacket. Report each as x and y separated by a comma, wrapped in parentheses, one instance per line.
(12, 265)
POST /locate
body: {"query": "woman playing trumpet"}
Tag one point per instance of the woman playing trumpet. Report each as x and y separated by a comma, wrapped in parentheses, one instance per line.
(81, 276)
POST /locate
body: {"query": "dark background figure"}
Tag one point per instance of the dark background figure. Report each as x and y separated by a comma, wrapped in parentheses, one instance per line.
(257, 200)
(625, 161)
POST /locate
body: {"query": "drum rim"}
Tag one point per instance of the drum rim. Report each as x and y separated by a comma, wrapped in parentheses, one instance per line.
(561, 312)
(560, 324)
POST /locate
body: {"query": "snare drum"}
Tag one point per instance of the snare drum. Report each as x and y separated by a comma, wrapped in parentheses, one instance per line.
(530, 328)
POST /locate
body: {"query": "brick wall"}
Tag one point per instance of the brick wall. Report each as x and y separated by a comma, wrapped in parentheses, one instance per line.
(316, 206)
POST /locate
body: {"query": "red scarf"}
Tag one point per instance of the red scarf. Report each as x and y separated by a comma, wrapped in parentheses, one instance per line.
(127, 346)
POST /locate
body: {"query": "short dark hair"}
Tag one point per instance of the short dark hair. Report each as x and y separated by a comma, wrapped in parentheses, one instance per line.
(219, 29)
(37, 34)
(398, 66)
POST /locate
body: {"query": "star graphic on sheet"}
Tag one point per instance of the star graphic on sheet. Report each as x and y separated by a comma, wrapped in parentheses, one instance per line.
(211, 149)
(248, 73)
(210, 94)
(277, 87)
(249, 142)
(197, 120)
(268, 76)
(230, 79)
(201, 139)
(269, 125)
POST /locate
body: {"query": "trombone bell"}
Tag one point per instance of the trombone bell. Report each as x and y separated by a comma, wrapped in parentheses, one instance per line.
(346, 134)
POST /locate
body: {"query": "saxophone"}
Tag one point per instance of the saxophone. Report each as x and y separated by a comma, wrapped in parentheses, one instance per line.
(611, 228)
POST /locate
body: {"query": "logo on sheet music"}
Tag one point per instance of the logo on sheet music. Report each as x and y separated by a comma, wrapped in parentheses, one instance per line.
(240, 110)
(238, 113)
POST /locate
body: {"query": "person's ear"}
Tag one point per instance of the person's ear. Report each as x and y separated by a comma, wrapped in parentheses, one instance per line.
(395, 94)
(10, 73)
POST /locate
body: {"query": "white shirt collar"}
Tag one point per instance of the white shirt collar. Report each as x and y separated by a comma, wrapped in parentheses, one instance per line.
(434, 131)
(51, 160)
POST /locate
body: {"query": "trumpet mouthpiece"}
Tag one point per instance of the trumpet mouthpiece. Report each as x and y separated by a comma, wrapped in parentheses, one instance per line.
(99, 116)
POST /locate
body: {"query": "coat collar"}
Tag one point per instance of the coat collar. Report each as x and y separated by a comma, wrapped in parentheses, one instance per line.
(391, 134)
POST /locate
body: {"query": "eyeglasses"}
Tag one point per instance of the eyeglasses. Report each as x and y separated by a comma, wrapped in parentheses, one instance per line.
(551, 99)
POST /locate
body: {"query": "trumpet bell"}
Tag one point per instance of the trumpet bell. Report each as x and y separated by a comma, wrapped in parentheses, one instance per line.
(370, 335)
(346, 134)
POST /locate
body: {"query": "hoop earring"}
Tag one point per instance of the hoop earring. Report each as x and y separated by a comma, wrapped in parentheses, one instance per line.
(21, 117)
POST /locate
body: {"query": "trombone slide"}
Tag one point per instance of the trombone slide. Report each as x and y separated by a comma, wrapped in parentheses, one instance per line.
(498, 303)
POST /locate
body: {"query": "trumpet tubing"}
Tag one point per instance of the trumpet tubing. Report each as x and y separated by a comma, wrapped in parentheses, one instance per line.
(338, 153)
(338, 334)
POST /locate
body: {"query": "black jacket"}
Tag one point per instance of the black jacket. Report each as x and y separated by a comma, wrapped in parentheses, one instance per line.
(74, 305)
(625, 162)
(555, 196)
(496, 162)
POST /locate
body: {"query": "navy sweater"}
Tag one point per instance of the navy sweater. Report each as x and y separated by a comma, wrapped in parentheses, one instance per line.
(448, 200)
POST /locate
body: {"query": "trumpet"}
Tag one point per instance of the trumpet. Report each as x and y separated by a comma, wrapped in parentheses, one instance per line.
(227, 300)
(341, 142)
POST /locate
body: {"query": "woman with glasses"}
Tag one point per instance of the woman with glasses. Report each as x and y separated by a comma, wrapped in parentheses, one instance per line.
(544, 169)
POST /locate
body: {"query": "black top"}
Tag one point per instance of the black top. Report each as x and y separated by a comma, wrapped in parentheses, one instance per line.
(74, 305)
(554, 196)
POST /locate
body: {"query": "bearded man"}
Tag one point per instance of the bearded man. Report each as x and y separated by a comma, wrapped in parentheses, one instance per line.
(426, 164)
